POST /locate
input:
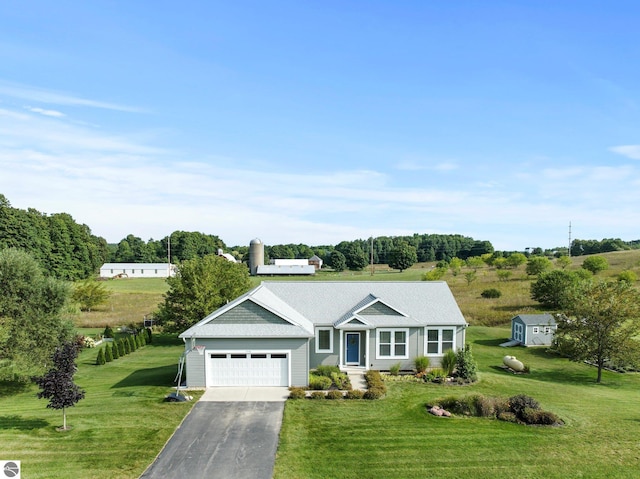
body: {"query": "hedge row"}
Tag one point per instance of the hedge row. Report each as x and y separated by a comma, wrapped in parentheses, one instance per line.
(121, 347)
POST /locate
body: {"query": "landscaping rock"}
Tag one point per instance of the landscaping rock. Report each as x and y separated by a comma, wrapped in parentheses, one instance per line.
(438, 411)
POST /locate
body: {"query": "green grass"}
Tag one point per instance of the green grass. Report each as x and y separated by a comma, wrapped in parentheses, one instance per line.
(396, 437)
(118, 429)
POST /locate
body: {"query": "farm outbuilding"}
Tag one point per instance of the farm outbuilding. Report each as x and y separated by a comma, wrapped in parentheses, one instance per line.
(533, 329)
(137, 270)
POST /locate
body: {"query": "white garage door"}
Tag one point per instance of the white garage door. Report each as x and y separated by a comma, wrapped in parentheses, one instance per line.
(248, 369)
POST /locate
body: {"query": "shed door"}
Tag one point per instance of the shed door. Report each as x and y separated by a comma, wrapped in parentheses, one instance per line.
(248, 369)
(517, 332)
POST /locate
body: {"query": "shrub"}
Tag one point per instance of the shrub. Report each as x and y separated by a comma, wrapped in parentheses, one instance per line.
(466, 366)
(108, 332)
(334, 394)
(491, 293)
(374, 393)
(327, 371)
(127, 345)
(435, 274)
(374, 379)
(319, 382)
(354, 394)
(297, 393)
(421, 363)
(139, 340)
(394, 369)
(436, 375)
(537, 416)
(114, 350)
(449, 361)
(628, 276)
(149, 334)
(490, 406)
(100, 359)
(507, 416)
(132, 343)
(317, 395)
(464, 405)
(341, 380)
(517, 404)
(108, 353)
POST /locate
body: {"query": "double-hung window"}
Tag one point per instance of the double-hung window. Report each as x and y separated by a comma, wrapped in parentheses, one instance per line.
(439, 340)
(392, 344)
(324, 340)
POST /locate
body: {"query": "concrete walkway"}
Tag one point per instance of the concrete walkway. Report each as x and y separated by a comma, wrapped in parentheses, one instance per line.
(356, 377)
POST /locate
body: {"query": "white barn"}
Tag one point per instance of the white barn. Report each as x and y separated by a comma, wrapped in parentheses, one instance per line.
(137, 270)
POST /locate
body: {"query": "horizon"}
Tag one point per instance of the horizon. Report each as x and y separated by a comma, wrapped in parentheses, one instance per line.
(322, 122)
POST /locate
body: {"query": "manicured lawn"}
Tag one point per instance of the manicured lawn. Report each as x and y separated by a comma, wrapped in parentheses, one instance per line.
(396, 437)
(118, 429)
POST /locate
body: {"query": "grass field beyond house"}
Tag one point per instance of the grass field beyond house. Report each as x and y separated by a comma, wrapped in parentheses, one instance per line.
(396, 438)
(118, 429)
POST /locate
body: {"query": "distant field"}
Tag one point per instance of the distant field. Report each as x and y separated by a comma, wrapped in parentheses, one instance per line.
(134, 298)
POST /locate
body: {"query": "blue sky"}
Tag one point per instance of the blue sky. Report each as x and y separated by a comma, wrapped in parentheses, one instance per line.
(317, 122)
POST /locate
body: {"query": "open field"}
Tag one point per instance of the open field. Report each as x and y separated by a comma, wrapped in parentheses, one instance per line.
(118, 429)
(395, 437)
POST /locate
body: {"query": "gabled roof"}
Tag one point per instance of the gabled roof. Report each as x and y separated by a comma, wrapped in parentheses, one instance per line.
(302, 305)
(544, 319)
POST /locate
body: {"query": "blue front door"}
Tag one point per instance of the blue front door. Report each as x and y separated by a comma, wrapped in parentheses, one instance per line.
(353, 348)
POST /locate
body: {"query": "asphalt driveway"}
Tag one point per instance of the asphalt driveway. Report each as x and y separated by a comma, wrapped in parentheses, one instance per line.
(222, 439)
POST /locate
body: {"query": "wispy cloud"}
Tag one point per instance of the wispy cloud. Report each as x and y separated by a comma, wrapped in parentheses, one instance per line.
(44, 112)
(630, 151)
(35, 94)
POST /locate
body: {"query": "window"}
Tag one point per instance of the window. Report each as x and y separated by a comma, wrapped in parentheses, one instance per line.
(536, 330)
(547, 329)
(324, 340)
(392, 344)
(440, 340)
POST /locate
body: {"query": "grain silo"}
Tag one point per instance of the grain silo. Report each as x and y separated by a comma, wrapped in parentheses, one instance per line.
(256, 255)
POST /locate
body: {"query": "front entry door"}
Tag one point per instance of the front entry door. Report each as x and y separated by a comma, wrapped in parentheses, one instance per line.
(353, 349)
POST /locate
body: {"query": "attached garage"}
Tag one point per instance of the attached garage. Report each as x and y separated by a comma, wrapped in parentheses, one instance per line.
(247, 368)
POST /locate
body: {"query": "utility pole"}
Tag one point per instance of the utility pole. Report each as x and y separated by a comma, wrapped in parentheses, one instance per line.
(371, 255)
(569, 251)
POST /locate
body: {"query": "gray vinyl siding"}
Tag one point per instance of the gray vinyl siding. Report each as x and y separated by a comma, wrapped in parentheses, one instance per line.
(379, 309)
(415, 348)
(249, 312)
(540, 338)
(328, 359)
(298, 359)
(194, 369)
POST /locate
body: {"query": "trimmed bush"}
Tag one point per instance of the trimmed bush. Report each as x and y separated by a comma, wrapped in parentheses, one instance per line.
(449, 361)
(354, 394)
(126, 345)
(108, 332)
(139, 341)
(436, 374)
(114, 350)
(539, 417)
(132, 343)
(149, 334)
(324, 370)
(394, 369)
(108, 353)
(318, 395)
(491, 293)
(297, 393)
(100, 359)
(421, 363)
(518, 404)
(319, 382)
(334, 394)
(375, 392)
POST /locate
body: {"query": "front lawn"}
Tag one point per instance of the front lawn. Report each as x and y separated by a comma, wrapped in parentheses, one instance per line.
(396, 438)
(118, 429)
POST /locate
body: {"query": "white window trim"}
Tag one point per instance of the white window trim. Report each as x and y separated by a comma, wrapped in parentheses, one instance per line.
(393, 343)
(535, 330)
(426, 339)
(330, 350)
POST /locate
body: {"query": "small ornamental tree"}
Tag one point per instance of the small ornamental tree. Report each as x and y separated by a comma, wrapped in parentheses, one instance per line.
(537, 265)
(132, 343)
(108, 353)
(89, 294)
(126, 345)
(114, 350)
(100, 359)
(57, 384)
(466, 365)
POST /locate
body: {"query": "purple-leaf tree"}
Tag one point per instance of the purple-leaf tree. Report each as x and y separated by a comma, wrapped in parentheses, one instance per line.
(57, 384)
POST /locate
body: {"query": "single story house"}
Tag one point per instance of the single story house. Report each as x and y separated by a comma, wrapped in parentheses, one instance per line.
(137, 270)
(276, 333)
(533, 329)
